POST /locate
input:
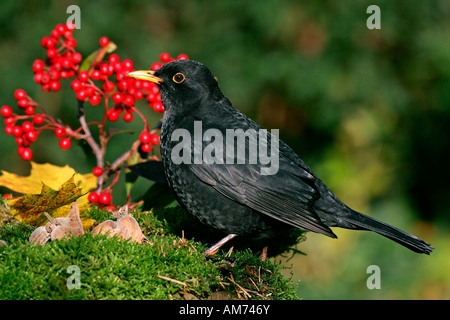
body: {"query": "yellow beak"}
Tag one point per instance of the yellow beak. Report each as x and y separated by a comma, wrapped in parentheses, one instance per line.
(145, 75)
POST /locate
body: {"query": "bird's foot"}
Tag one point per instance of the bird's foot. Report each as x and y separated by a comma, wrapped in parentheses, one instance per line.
(213, 249)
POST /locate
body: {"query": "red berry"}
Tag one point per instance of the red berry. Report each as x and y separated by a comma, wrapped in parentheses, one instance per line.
(29, 110)
(27, 126)
(153, 88)
(44, 42)
(145, 137)
(128, 100)
(113, 57)
(154, 139)
(48, 42)
(6, 111)
(127, 117)
(19, 141)
(38, 77)
(131, 90)
(64, 74)
(113, 115)
(71, 43)
(151, 97)
(105, 198)
(83, 76)
(96, 74)
(93, 197)
(108, 86)
(52, 52)
(138, 83)
(67, 34)
(9, 130)
(76, 57)
(76, 85)
(9, 121)
(32, 135)
(138, 94)
(97, 171)
(17, 131)
(69, 26)
(45, 87)
(111, 207)
(158, 107)
(38, 65)
(182, 57)
(165, 57)
(95, 100)
(60, 132)
(55, 34)
(117, 66)
(55, 85)
(106, 69)
(38, 119)
(155, 66)
(66, 63)
(146, 147)
(117, 97)
(81, 95)
(104, 41)
(122, 85)
(65, 143)
(45, 78)
(20, 94)
(90, 91)
(25, 153)
(127, 64)
(53, 74)
(60, 28)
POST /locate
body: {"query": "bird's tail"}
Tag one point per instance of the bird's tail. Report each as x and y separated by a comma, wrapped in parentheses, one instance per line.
(360, 221)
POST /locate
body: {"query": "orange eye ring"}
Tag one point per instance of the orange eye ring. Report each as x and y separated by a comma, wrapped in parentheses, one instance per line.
(178, 78)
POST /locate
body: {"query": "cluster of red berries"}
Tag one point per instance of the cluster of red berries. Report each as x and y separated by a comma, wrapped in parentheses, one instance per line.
(101, 199)
(104, 198)
(62, 60)
(147, 140)
(33, 123)
(27, 132)
(102, 79)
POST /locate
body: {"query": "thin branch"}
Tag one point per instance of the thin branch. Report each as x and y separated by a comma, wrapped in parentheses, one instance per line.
(116, 164)
(88, 136)
(172, 280)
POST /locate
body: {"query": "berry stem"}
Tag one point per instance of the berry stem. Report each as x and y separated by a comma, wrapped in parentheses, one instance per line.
(142, 117)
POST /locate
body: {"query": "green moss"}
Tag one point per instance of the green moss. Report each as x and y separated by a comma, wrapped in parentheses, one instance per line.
(170, 267)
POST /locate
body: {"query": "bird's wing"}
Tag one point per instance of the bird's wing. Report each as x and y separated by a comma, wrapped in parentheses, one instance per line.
(287, 196)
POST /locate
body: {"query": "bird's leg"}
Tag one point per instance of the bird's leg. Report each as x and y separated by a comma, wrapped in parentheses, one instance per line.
(264, 254)
(213, 250)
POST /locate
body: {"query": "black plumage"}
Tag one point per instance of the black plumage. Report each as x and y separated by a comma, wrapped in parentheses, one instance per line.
(236, 198)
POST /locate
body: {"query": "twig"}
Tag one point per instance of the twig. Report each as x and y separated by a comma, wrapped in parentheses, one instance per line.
(246, 294)
(172, 280)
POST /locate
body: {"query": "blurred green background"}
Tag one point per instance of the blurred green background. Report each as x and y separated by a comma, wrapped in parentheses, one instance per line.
(368, 110)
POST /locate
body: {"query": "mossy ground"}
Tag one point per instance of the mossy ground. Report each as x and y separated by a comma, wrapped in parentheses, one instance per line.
(169, 267)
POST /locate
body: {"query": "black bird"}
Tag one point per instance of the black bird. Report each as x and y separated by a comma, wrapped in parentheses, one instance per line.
(238, 198)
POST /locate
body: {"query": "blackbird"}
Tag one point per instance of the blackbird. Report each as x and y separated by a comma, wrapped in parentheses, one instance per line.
(232, 192)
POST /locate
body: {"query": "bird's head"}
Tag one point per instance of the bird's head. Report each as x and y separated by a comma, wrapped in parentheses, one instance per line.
(183, 84)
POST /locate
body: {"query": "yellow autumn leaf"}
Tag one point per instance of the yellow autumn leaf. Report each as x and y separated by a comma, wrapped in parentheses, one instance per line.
(49, 174)
(45, 178)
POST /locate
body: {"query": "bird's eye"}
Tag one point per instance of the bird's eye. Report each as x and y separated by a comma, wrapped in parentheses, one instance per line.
(178, 78)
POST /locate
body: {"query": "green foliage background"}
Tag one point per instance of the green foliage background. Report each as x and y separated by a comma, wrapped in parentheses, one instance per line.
(368, 110)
